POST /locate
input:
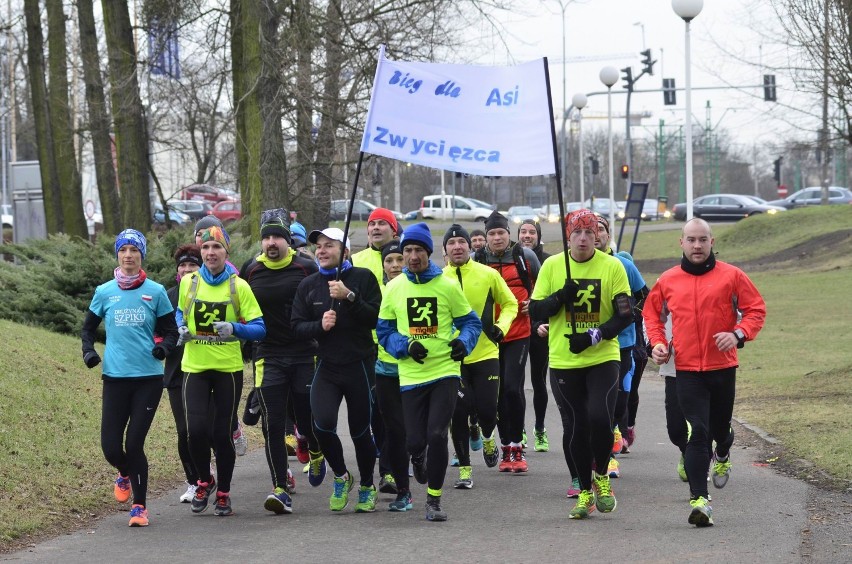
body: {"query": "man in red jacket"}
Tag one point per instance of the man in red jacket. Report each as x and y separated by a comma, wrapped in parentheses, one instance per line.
(715, 309)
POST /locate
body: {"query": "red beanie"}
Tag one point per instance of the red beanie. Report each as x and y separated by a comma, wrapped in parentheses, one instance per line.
(387, 215)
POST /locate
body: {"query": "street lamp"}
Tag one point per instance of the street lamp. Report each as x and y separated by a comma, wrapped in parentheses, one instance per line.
(579, 101)
(609, 76)
(687, 10)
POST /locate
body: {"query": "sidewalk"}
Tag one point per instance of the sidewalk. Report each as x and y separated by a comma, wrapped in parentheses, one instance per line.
(759, 516)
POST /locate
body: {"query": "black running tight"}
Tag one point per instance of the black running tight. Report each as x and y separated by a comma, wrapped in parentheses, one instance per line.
(428, 410)
(512, 401)
(477, 395)
(389, 401)
(538, 378)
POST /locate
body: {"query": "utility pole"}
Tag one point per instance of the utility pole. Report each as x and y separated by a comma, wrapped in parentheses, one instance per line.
(823, 142)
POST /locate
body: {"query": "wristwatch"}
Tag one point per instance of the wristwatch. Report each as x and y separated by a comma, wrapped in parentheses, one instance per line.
(738, 333)
(351, 296)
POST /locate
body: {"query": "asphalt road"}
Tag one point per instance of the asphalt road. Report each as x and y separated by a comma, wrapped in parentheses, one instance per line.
(760, 516)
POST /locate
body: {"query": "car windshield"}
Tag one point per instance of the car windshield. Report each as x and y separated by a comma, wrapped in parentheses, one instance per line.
(519, 210)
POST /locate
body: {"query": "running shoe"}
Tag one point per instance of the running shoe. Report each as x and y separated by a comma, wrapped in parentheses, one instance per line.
(188, 494)
(419, 465)
(202, 495)
(475, 437)
(700, 514)
(433, 509)
(366, 499)
(519, 460)
(302, 453)
(630, 436)
(585, 505)
(340, 495)
(387, 484)
(524, 438)
(222, 507)
(574, 489)
(291, 442)
(138, 516)
(541, 442)
(681, 470)
(616, 441)
(465, 481)
(454, 461)
(612, 468)
(240, 440)
(291, 482)
(316, 469)
(402, 502)
(604, 496)
(721, 471)
(506, 462)
(278, 502)
(490, 452)
(122, 489)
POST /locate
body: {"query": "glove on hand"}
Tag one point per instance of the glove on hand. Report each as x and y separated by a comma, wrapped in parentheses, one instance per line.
(496, 334)
(417, 351)
(581, 341)
(184, 335)
(223, 328)
(459, 351)
(158, 352)
(568, 293)
(91, 359)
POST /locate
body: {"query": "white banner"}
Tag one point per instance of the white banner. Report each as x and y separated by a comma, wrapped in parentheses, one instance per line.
(488, 121)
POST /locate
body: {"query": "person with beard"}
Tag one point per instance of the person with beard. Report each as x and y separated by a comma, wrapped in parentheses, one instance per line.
(529, 235)
(477, 239)
(715, 309)
(284, 364)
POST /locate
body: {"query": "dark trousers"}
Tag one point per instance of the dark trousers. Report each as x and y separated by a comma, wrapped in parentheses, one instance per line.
(176, 402)
(389, 400)
(428, 410)
(511, 403)
(538, 378)
(477, 394)
(624, 366)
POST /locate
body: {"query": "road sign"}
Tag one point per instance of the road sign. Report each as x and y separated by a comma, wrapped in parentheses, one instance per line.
(782, 191)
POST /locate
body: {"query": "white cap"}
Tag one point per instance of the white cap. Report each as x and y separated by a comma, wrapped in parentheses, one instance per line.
(333, 233)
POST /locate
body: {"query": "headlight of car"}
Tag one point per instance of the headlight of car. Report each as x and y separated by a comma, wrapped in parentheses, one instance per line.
(553, 218)
(667, 214)
(771, 212)
(516, 220)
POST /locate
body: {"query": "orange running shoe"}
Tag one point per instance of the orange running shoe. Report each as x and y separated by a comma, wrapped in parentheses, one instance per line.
(122, 489)
(138, 516)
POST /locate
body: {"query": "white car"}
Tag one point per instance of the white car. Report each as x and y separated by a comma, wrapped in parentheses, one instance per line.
(432, 207)
(8, 218)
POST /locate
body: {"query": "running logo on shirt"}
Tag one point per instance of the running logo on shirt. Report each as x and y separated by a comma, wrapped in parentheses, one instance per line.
(206, 313)
(422, 316)
(587, 307)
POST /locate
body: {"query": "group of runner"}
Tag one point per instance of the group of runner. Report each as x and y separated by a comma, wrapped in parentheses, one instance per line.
(416, 351)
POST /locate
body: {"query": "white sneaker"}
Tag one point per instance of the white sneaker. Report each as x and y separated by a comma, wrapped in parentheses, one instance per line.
(240, 441)
(188, 494)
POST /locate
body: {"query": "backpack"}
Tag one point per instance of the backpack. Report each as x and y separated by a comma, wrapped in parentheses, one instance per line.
(193, 292)
(520, 264)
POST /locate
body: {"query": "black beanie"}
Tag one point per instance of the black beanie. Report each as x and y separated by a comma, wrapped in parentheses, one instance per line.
(496, 221)
(391, 248)
(456, 230)
(532, 222)
(275, 222)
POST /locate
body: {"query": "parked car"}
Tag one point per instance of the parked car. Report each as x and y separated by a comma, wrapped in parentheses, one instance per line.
(207, 192)
(812, 196)
(482, 203)
(650, 211)
(196, 209)
(602, 206)
(437, 206)
(517, 214)
(361, 210)
(411, 216)
(178, 218)
(8, 218)
(550, 213)
(228, 211)
(725, 206)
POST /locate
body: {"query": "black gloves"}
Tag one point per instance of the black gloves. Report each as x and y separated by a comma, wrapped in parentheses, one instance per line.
(459, 351)
(417, 351)
(581, 341)
(495, 334)
(91, 359)
(158, 352)
(568, 293)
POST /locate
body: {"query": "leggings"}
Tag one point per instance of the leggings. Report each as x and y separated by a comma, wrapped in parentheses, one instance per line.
(511, 401)
(222, 390)
(640, 360)
(480, 384)
(586, 401)
(332, 383)
(389, 401)
(129, 404)
(707, 401)
(428, 410)
(275, 400)
(626, 362)
(176, 402)
(538, 378)
(675, 423)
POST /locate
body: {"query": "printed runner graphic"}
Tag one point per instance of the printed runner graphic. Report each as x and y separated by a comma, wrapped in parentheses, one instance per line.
(422, 316)
(587, 307)
(206, 313)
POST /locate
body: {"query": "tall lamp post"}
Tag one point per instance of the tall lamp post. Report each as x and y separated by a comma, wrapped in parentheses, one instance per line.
(609, 76)
(687, 10)
(579, 101)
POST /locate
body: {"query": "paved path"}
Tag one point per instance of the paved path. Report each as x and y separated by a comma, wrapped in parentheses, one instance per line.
(759, 516)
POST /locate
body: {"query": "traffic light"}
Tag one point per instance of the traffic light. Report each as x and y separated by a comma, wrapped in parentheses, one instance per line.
(769, 87)
(669, 92)
(625, 171)
(777, 163)
(628, 78)
(596, 167)
(647, 61)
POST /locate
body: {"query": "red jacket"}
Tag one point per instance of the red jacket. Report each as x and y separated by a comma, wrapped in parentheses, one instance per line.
(702, 306)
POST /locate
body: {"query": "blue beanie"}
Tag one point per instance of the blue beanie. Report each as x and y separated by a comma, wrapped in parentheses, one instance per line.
(418, 233)
(299, 233)
(131, 237)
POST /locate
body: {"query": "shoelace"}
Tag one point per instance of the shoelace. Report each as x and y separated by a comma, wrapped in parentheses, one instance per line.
(201, 490)
(137, 511)
(363, 496)
(316, 465)
(603, 485)
(223, 501)
(122, 483)
(339, 484)
(586, 499)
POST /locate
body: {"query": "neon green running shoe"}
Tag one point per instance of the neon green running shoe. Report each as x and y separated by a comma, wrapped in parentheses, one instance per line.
(366, 499)
(490, 452)
(681, 470)
(721, 471)
(541, 443)
(524, 439)
(604, 496)
(340, 495)
(465, 481)
(585, 505)
(701, 514)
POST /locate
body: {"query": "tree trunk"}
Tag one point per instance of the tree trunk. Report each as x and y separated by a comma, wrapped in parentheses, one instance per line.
(238, 80)
(274, 187)
(41, 113)
(313, 205)
(98, 118)
(70, 184)
(131, 143)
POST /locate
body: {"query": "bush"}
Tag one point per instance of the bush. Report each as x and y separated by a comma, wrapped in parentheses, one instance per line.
(51, 281)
